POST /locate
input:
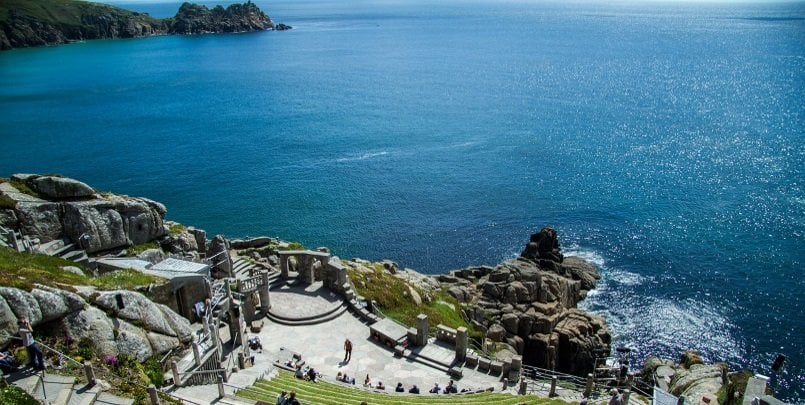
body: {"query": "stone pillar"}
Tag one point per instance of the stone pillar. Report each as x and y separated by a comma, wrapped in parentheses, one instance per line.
(221, 392)
(341, 276)
(626, 393)
(265, 299)
(196, 353)
(523, 387)
(421, 330)
(284, 267)
(588, 389)
(177, 380)
(244, 342)
(152, 394)
(90, 373)
(552, 392)
(247, 308)
(205, 326)
(306, 268)
(234, 321)
(517, 363)
(241, 361)
(461, 343)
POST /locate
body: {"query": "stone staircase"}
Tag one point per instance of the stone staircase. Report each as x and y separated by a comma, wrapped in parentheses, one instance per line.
(242, 268)
(53, 389)
(66, 250)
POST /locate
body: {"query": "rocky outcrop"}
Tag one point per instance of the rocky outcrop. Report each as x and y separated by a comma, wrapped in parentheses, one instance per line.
(529, 303)
(219, 253)
(692, 380)
(141, 328)
(67, 208)
(69, 21)
(198, 19)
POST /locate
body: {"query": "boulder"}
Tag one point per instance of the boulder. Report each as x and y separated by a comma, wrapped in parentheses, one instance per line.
(8, 322)
(161, 344)
(133, 340)
(136, 307)
(697, 381)
(59, 188)
(22, 304)
(179, 243)
(93, 324)
(40, 220)
(219, 254)
(8, 219)
(510, 323)
(180, 326)
(72, 269)
(496, 332)
(113, 222)
(55, 303)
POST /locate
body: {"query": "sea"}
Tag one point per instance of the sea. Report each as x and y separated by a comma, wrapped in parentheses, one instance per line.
(664, 141)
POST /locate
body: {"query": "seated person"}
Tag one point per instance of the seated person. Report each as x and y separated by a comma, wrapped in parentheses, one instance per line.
(7, 363)
(254, 343)
(436, 389)
(380, 385)
(311, 374)
(450, 388)
(399, 388)
(347, 379)
(339, 377)
(414, 390)
(367, 382)
(299, 373)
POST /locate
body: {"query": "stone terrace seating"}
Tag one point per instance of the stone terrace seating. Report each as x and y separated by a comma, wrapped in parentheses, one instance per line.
(333, 393)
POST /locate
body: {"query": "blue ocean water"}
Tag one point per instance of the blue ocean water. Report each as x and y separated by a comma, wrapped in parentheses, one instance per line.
(665, 142)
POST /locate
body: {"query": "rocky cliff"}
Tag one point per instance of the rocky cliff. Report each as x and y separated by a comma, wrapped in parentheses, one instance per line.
(54, 207)
(530, 303)
(25, 23)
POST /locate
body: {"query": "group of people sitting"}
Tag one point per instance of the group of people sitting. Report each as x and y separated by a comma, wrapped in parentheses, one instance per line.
(451, 388)
(343, 377)
(287, 399)
(308, 373)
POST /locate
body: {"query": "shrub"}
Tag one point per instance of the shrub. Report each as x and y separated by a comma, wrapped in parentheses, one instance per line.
(154, 372)
(16, 396)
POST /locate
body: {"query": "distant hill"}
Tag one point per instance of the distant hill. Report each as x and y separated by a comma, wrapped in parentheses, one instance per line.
(25, 23)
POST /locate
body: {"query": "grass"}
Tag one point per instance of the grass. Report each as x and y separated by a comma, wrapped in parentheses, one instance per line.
(23, 270)
(176, 229)
(736, 382)
(395, 301)
(59, 12)
(19, 185)
(328, 393)
(142, 247)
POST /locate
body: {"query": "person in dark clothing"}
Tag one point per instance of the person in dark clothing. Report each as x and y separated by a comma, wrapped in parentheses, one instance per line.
(414, 390)
(399, 388)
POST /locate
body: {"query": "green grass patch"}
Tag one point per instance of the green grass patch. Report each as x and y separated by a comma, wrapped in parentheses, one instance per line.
(394, 298)
(142, 247)
(23, 270)
(736, 382)
(16, 396)
(176, 229)
(20, 186)
(331, 393)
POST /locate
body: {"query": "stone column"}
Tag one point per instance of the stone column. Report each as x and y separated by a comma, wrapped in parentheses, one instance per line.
(196, 353)
(284, 267)
(177, 380)
(588, 389)
(461, 343)
(421, 330)
(306, 269)
(243, 341)
(552, 392)
(625, 399)
(247, 309)
(265, 299)
(517, 363)
(152, 394)
(90, 373)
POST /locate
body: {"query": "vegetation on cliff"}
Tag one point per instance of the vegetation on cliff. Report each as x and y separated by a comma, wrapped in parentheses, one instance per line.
(23, 270)
(25, 23)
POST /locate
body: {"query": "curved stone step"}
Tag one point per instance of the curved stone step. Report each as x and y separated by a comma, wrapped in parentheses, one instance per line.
(328, 316)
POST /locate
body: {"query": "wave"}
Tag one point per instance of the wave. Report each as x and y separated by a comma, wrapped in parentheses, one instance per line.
(364, 156)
